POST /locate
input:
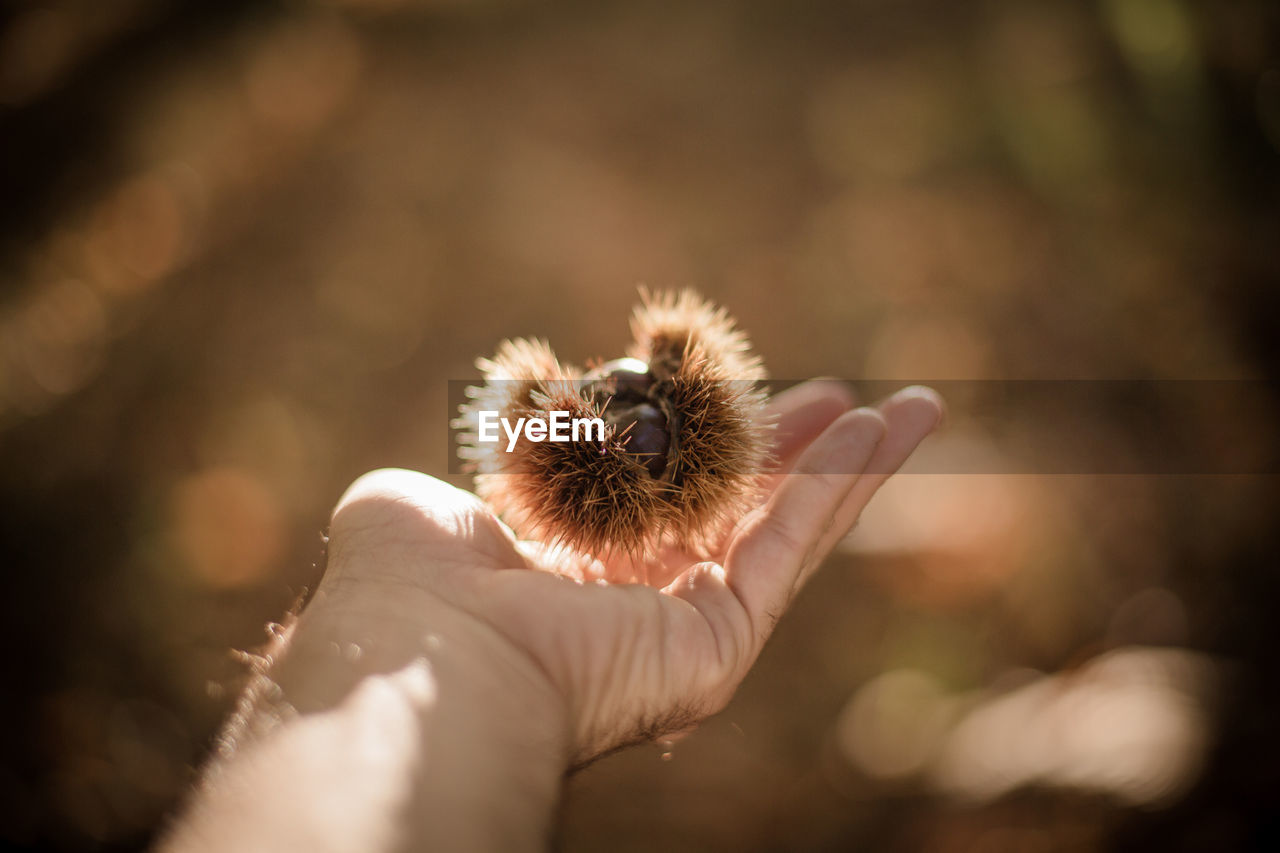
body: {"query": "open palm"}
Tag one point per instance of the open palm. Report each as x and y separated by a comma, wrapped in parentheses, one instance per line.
(639, 659)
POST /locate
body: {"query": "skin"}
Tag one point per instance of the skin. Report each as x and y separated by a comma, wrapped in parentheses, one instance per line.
(446, 676)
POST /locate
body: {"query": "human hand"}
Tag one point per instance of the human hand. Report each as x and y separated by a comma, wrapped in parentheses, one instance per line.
(445, 675)
(621, 662)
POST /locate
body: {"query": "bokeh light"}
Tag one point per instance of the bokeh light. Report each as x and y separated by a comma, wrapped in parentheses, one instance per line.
(227, 527)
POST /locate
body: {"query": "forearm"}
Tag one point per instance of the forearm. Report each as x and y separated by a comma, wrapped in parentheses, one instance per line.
(388, 723)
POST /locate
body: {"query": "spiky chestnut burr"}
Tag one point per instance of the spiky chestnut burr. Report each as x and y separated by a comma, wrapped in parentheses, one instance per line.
(684, 442)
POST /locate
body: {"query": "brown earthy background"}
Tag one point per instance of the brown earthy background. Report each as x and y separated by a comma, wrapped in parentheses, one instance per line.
(246, 246)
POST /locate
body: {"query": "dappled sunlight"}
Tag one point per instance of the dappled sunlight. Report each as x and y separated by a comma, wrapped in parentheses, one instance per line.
(1133, 723)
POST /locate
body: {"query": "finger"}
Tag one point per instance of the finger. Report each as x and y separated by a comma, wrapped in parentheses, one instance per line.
(777, 541)
(802, 413)
(705, 586)
(910, 415)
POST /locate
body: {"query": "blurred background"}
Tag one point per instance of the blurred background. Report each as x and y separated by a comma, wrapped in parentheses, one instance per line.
(244, 246)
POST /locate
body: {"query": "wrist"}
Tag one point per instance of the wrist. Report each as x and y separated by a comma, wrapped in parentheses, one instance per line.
(491, 740)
